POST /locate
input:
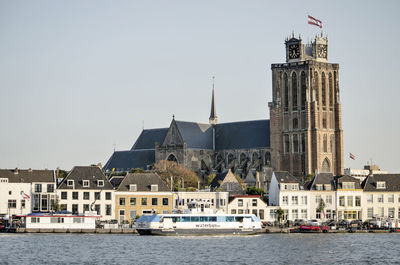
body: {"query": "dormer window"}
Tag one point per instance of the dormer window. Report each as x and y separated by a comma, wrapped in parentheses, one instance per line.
(381, 185)
(327, 186)
(154, 187)
(318, 186)
(133, 187)
(85, 183)
(100, 183)
(70, 183)
(295, 186)
(348, 186)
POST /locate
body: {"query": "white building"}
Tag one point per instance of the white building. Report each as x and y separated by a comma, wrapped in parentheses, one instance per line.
(249, 204)
(25, 191)
(381, 197)
(289, 193)
(86, 188)
(217, 200)
(322, 190)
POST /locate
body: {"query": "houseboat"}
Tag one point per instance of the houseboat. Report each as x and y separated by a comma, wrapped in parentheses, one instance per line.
(198, 220)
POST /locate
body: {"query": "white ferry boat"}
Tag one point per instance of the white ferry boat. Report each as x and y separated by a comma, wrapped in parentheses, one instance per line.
(198, 221)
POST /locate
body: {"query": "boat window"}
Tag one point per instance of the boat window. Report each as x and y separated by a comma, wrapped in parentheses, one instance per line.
(230, 219)
(176, 219)
(239, 218)
(203, 219)
(185, 219)
(212, 219)
(194, 219)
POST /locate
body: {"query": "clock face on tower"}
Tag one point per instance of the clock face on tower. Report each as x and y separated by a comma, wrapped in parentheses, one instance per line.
(322, 51)
(294, 51)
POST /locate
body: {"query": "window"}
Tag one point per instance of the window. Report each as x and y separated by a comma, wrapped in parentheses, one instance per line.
(85, 207)
(233, 211)
(348, 185)
(317, 199)
(295, 143)
(108, 209)
(240, 202)
(328, 199)
(254, 211)
(229, 186)
(70, 183)
(350, 201)
(294, 91)
(295, 200)
(304, 213)
(341, 201)
(77, 220)
(295, 123)
(74, 208)
(327, 186)
(132, 187)
(9, 192)
(12, 204)
(63, 195)
(295, 214)
(328, 214)
(132, 215)
(286, 141)
(154, 201)
(97, 195)
(317, 214)
(240, 211)
(23, 204)
(154, 187)
(358, 201)
(108, 196)
(38, 187)
(303, 90)
(380, 198)
(132, 201)
(86, 195)
(50, 187)
(285, 200)
(370, 198)
(85, 183)
(381, 211)
(304, 200)
(36, 202)
(391, 198)
(75, 195)
(144, 201)
(45, 202)
(97, 208)
(391, 213)
(380, 185)
(165, 201)
(286, 86)
(272, 214)
(100, 183)
(261, 214)
(56, 220)
(318, 186)
(370, 212)
(254, 202)
(122, 214)
(121, 201)
(35, 220)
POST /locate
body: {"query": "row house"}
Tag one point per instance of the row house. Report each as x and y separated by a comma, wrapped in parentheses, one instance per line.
(322, 194)
(217, 200)
(141, 193)
(26, 191)
(248, 204)
(348, 198)
(84, 189)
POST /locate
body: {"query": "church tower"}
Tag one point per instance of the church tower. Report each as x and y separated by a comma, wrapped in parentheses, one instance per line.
(305, 113)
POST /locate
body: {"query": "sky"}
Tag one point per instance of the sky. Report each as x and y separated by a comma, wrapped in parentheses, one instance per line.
(80, 78)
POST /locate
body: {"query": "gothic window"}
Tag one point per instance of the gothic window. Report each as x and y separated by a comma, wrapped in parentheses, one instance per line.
(294, 91)
(285, 80)
(303, 143)
(335, 90)
(323, 89)
(295, 143)
(171, 157)
(324, 123)
(286, 141)
(326, 166)
(295, 123)
(332, 143)
(231, 158)
(268, 158)
(303, 90)
(255, 157)
(330, 90)
(316, 87)
(218, 159)
(325, 144)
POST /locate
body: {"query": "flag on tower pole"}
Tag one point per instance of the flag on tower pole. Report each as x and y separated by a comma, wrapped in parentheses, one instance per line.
(314, 21)
(352, 156)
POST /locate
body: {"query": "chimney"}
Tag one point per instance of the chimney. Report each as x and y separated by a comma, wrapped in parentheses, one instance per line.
(16, 171)
(30, 170)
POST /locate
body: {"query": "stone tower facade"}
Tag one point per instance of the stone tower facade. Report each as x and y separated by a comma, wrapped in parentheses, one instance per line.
(305, 114)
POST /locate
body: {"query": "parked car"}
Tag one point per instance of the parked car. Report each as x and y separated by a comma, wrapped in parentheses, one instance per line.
(343, 223)
(298, 222)
(356, 224)
(314, 222)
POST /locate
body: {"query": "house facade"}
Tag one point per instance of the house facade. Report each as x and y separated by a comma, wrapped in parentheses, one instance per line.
(322, 190)
(348, 198)
(249, 204)
(216, 200)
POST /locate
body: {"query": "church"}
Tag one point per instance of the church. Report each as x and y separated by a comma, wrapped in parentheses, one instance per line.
(303, 136)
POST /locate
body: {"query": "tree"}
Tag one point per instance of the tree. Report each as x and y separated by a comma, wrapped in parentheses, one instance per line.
(252, 190)
(280, 213)
(321, 206)
(209, 179)
(180, 175)
(308, 177)
(137, 170)
(56, 205)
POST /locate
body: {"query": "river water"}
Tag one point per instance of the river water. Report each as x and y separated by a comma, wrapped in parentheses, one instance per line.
(260, 249)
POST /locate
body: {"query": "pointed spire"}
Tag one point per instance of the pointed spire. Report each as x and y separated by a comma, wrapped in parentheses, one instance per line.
(213, 115)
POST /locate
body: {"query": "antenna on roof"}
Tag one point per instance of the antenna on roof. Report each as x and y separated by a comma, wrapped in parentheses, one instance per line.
(114, 147)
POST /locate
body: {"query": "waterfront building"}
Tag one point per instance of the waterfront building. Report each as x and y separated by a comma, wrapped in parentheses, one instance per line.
(322, 190)
(248, 204)
(26, 191)
(362, 174)
(216, 200)
(84, 189)
(348, 198)
(381, 197)
(227, 181)
(141, 193)
(290, 194)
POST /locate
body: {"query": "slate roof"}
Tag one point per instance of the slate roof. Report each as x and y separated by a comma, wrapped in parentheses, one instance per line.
(149, 137)
(392, 182)
(91, 173)
(285, 177)
(196, 135)
(116, 180)
(27, 175)
(218, 179)
(322, 178)
(126, 160)
(143, 182)
(345, 178)
(242, 135)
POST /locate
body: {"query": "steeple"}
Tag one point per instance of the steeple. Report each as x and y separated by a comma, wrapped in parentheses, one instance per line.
(213, 115)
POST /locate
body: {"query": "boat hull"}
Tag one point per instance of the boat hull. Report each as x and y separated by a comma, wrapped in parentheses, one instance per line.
(197, 232)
